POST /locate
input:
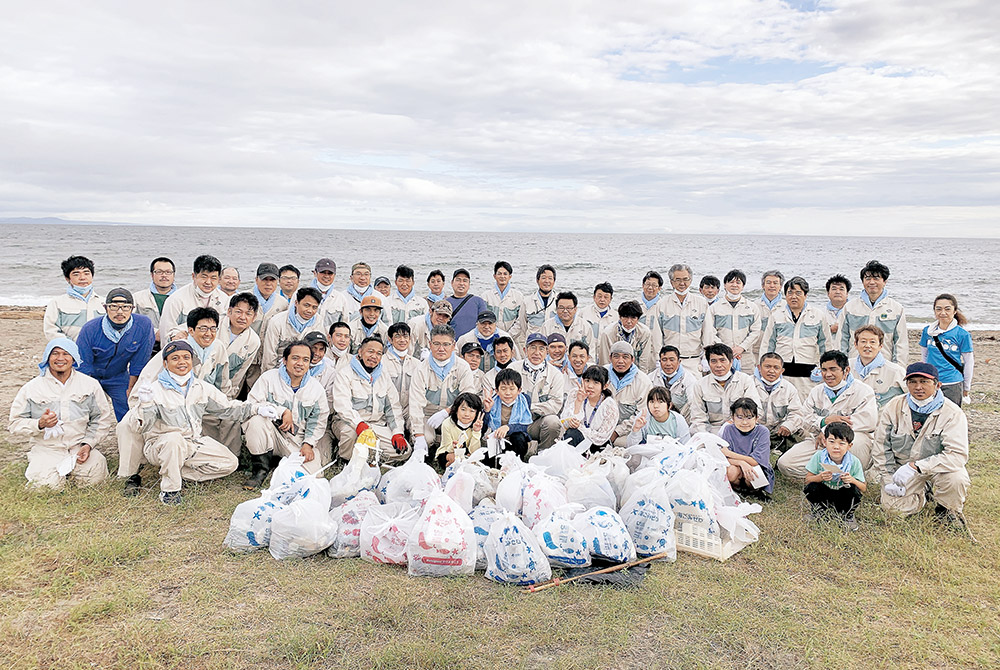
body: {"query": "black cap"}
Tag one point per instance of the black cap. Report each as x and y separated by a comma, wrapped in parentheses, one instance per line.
(316, 338)
(486, 316)
(267, 270)
(471, 346)
(177, 345)
(381, 280)
(120, 293)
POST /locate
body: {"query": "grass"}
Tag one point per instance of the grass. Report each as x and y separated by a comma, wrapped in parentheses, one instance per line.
(91, 579)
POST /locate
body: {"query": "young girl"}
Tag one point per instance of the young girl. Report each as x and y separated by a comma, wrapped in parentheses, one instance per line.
(948, 347)
(462, 428)
(749, 446)
(593, 415)
(659, 419)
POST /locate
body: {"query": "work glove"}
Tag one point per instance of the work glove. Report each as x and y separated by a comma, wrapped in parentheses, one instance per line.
(399, 443)
(895, 490)
(55, 431)
(145, 393)
(361, 427)
(268, 411)
(437, 419)
(420, 444)
(903, 475)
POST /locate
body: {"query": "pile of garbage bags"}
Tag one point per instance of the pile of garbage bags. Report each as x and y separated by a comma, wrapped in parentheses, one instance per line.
(561, 509)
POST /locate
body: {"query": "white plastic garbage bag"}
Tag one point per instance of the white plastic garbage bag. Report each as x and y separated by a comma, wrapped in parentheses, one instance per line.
(385, 531)
(515, 475)
(485, 478)
(513, 555)
(692, 500)
(250, 525)
(304, 527)
(649, 519)
(736, 527)
(398, 484)
(460, 488)
(560, 459)
(590, 488)
(348, 517)
(356, 476)
(443, 542)
(543, 494)
(561, 542)
(615, 470)
(605, 534)
(289, 478)
(483, 515)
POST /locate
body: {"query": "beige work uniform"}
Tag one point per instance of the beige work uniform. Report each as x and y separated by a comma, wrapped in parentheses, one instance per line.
(710, 400)
(309, 409)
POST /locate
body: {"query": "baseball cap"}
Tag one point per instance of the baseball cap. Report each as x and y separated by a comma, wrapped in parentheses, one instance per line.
(121, 294)
(487, 316)
(177, 345)
(381, 280)
(370, 301)
(536, 337)
(265, 270)
(471, 346)
(921, 370)
(316, 337)
(622, 347)
(442, 307)
(556, 337)
(326, 265)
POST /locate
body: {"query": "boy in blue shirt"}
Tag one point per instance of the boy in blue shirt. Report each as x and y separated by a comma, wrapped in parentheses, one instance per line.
(509, 412)
(835, 478)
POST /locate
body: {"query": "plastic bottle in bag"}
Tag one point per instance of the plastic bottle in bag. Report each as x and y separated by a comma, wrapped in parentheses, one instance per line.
(442, 543)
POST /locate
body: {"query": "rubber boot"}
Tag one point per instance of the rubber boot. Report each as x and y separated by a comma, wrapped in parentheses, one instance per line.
(259, 469)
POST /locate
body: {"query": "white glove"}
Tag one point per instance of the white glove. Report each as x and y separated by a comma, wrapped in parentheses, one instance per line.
(145, 393)
(425, 354)
(66, 465)
(420, 444)
(895, 490)
(437, 419)
(54, 431)
(268, 411)
(903, 475)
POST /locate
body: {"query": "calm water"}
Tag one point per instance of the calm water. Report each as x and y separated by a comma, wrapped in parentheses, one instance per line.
(921, 268)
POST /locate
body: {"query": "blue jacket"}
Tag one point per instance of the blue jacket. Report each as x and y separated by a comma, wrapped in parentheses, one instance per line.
(466, 318)
(107, 361)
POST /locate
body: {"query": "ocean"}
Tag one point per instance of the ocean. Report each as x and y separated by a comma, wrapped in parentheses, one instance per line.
(921, 267)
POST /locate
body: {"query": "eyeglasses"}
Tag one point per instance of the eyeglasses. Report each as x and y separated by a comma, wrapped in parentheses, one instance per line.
(163, 273)
(240, 312)
(119, 308)
(207, 329)
(565, 309)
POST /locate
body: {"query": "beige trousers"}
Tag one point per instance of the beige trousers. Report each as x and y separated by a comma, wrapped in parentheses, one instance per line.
(545, 431)
(949, 490)
(226, 432)
(43, 460)
(196, 461)
(263, 437)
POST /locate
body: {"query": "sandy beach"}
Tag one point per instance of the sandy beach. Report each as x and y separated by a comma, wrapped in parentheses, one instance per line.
(22, 343)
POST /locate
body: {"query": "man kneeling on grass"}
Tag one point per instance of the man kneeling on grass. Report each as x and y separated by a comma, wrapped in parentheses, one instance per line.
(64, 414)
(168, 418)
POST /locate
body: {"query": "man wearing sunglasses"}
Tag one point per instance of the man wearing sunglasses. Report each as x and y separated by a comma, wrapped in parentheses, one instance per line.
(115, 347)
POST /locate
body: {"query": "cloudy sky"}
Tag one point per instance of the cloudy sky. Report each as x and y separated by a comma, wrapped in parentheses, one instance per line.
(725, 116)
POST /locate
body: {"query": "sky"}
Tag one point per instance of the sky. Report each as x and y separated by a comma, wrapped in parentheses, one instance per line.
(730, 116)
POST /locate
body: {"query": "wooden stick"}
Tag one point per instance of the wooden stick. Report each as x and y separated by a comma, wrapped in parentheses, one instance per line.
(614, 568)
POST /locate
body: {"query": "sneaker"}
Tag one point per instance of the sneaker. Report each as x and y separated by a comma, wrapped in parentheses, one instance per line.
(133, 486)
(170, 497)
(850, 523)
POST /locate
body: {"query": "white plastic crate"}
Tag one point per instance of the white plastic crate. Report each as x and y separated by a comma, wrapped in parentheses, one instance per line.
(696, 540)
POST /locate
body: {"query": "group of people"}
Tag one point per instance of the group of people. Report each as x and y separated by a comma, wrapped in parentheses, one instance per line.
(194, 373)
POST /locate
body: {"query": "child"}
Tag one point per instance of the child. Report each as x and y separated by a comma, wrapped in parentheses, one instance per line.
(749, 446)
(659, 419)
(589, 416)
(510, 412)
(841, 490)
(463, 428)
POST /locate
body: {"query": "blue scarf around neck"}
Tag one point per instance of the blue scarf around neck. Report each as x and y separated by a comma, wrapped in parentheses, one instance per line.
(649, 303)
(520, 412)
(503, 293)
(80, 293)
(112, 333)
(199, 352)
(833, 395)
(441, 369)
(865, 370)
(763, 382)
(934, 405)
(297, 323)
(405, 298)
(868, 301)
(353, 291)
(621, 382)
(359, 369)
(168, 382)
(770, 303)
(265, 303)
